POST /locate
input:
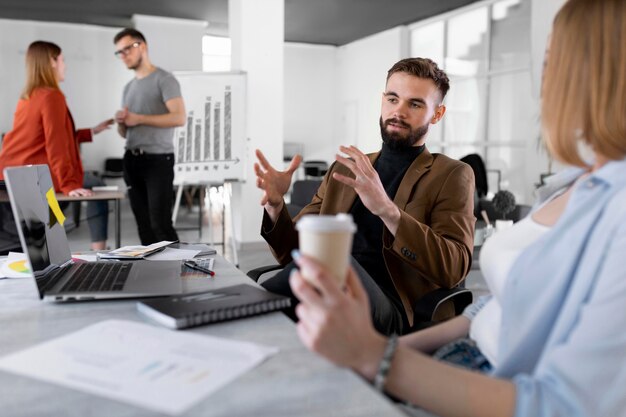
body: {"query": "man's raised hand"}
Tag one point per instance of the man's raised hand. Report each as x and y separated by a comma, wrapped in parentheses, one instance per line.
(274, 183)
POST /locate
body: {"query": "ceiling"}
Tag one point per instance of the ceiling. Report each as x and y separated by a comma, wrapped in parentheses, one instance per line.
(334, 22)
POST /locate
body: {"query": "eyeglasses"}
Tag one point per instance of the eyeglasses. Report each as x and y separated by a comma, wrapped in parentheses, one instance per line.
(126, 50)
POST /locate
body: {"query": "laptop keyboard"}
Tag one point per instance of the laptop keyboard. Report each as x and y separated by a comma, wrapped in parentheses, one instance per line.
(98, 277)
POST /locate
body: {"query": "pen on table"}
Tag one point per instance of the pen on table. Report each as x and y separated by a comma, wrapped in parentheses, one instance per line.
(193, 265)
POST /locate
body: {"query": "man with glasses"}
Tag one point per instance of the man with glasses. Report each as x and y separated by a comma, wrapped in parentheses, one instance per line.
(152, 107)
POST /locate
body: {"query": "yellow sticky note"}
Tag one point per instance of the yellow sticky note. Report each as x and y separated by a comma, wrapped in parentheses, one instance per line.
(54, 208)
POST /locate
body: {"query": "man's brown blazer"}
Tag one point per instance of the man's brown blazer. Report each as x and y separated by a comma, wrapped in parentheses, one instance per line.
(433, 245)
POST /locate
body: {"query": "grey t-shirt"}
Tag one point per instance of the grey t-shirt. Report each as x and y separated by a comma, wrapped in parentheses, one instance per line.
(148, 96)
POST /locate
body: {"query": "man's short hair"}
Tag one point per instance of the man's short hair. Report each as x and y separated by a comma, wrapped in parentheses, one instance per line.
(133, 33)
(423, 68)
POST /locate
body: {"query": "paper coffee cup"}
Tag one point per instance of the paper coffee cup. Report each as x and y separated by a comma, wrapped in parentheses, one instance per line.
(328, 239)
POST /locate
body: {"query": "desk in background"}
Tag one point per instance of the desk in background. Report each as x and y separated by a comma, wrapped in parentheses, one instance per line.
(294, 382)
(115, 196)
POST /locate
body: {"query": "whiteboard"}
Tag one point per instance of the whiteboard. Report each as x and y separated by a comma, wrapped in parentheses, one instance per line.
(211, 146)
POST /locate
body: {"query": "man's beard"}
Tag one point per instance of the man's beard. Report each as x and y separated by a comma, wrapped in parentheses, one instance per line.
(395, 140)
(136, 65)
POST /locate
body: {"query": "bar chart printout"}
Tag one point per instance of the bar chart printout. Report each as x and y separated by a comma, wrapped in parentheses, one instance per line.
(154, 368)
(211, 146)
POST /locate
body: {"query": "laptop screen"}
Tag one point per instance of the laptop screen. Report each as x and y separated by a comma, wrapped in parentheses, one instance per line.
(40, 230)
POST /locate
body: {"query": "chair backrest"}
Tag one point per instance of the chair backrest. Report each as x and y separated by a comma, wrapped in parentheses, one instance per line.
(9, 239)
(315, 168)
(113, 168)
(477, 164)
(301, 195)
(303, 191)
(520, 211)
(114, 165)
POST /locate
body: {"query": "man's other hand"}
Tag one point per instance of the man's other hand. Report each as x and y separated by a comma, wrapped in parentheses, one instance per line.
(120, 115)
(367, 185)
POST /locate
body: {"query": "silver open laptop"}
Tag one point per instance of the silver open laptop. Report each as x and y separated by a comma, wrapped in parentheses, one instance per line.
(45, 244)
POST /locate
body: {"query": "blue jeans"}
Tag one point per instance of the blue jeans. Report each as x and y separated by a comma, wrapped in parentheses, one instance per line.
(464, 353)
(97, 211)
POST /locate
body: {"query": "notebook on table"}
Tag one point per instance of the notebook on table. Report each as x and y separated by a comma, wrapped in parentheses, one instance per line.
(58, 277)
(135, 252)
(204, 249)
(229, 303)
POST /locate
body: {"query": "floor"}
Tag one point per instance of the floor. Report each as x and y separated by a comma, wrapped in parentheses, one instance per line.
(249, 256)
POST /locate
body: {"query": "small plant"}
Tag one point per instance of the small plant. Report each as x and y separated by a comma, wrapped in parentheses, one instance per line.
(503, 202)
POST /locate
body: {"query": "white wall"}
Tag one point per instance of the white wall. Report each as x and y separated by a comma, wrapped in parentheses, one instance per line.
(94, 77)
(536, 160)
(361, 73)
(173, 44)
(310, 98)
(542, 15)
(258, 49)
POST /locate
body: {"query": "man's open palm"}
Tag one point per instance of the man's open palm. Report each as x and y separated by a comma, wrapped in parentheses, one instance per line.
(274, 184)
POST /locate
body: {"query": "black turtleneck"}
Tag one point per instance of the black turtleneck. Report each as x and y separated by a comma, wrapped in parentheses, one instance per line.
(367, 248)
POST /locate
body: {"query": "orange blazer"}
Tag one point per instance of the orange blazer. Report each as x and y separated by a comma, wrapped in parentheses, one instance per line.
(44, 133)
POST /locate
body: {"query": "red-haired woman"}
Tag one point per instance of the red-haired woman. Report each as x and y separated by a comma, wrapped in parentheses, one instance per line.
(44, 133)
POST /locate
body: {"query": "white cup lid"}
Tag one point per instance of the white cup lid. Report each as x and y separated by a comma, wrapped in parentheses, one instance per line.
(322, 223)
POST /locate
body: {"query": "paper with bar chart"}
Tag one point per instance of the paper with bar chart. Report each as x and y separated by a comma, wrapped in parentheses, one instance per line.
(211, 146)
(149, 367)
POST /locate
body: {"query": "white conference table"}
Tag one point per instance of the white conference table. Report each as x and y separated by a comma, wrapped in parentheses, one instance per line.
(294, 382)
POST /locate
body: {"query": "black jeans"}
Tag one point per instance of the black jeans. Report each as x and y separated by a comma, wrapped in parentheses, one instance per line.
(388, 318)
(150, 180)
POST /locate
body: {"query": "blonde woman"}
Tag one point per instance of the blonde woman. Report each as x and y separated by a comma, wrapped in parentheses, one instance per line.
(561, 337)
(44, 133)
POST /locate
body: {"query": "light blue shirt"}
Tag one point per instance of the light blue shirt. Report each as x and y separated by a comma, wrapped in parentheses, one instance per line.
(563, 331)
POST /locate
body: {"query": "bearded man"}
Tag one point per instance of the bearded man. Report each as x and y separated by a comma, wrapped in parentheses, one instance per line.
(413, 209)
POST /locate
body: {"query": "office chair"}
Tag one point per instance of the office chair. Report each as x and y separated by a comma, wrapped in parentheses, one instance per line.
(481, 203)
(426, 311)
(315, 169)
(475, 161)
(9, 239)
(520, 211)
(301, 195)
(477, 164)
(113, 168)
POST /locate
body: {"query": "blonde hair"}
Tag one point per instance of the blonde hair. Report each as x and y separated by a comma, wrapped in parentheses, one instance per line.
(39, 70)
(584, 91)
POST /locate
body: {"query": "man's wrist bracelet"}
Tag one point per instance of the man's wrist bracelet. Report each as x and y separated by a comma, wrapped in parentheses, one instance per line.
(385, 363)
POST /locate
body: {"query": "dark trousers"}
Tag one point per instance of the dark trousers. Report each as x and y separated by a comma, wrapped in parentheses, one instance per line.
(386, 316)
(150, 180)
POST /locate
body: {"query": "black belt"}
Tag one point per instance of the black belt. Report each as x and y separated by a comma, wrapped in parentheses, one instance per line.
(136, 151)
(140, 153)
